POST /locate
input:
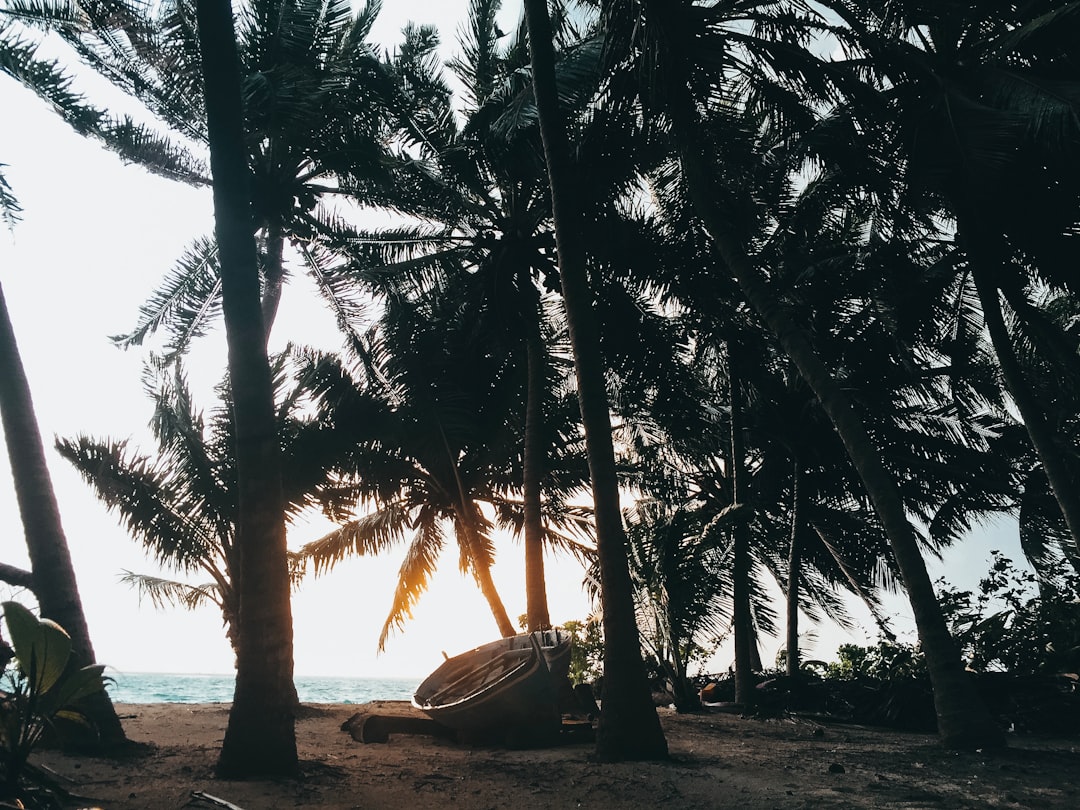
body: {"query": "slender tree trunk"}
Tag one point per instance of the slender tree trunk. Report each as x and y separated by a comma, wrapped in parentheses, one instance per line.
(534, 460)
(1062, 481)
(629, 727)
(794, 566)
(963, 719)
(260, 739)
(481, 568)
(52, 576)
(745, 638)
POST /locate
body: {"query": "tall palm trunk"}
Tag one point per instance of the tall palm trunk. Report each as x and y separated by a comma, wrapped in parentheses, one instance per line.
(260, 739)
(794, 564)
(537, 615)
(52, 574)
(1061, 478)
(963, 719)
(745, 638)
(629, 727)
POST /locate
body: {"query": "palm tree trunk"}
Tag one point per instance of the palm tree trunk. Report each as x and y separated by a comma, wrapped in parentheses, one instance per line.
(794, 564)
(963, 719)
(629, 727)
(260, 739)
(745, 638)
(52, 576)
(466, 523)
(538, 617)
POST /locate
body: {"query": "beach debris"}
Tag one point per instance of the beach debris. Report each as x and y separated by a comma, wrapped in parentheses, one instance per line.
(201, 796)
(375, 727)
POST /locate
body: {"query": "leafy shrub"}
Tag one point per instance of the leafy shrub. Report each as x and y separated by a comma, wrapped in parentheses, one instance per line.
(40, 691)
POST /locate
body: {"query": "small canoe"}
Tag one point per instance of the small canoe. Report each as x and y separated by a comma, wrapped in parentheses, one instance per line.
(511, 683)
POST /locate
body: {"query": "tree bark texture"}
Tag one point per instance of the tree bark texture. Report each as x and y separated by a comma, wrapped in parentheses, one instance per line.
(629, 728)
(745, 637)
(534, 458)
(794, 566)
(260, 739)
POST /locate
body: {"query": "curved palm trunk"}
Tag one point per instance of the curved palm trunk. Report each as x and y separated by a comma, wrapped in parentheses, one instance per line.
(745, 638)
(963, 719)
(481, 569)
(794, 564)
(51, 576)
(1062, 481)
(629, 727)
(538, 617)
(260, 739)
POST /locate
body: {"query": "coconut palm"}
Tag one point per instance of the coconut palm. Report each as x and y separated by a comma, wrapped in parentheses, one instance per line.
(316, 97)
(983, 100)
(261, 735)
(431, 435)
(666, 60)
(629, 727)
(181, 502)
(51, 576)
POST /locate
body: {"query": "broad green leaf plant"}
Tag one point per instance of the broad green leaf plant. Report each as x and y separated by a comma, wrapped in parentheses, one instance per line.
(38, 690)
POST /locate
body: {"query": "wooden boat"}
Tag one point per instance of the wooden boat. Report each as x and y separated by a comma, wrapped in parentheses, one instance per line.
(509, 684)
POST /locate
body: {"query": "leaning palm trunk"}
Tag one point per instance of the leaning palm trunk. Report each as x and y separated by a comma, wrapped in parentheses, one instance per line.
(629, 727)
(1062, 481)
(536, 604)
(467, 518)
(963, 719)
(794, 562)
(52, 576)
(745, 638)
(260, 739)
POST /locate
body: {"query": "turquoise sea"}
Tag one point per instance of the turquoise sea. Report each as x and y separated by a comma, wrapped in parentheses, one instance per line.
(152, 687)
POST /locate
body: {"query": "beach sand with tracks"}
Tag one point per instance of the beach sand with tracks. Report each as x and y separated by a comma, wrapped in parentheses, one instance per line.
(718, 760)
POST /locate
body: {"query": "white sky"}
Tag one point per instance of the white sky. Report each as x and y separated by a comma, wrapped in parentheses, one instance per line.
(96, 238)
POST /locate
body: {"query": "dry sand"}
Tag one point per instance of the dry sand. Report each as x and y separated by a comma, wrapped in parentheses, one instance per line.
(717, 760)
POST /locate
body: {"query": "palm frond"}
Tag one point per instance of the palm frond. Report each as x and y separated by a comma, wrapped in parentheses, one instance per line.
(186, 303)
(370, 534)
(164, 593)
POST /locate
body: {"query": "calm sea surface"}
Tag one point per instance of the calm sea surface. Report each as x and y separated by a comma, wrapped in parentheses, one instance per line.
(144, 687)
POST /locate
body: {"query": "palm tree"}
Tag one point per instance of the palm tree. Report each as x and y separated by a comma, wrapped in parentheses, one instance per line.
(430, 434)
(678, 93)
(629, 727)
(261, 736)
(181, 503)
(51, 577)
(316, 101)
(487, 193)
(984, 106)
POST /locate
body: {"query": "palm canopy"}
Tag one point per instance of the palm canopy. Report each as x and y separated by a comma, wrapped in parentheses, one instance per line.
(431, 435)
(318, 101)
(181, 502)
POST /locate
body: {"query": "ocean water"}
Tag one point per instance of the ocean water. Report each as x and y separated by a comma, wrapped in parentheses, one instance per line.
(147, 687)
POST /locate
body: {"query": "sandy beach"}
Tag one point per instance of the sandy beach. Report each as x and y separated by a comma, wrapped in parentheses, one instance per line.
(718, 760)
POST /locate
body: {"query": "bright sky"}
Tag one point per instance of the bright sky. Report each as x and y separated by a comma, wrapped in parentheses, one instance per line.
(95, 239)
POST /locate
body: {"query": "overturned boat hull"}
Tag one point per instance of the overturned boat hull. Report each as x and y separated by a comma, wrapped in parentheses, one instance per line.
(512, 683)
